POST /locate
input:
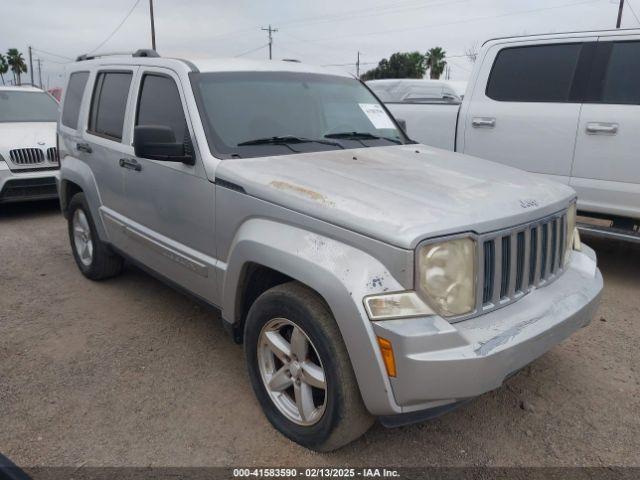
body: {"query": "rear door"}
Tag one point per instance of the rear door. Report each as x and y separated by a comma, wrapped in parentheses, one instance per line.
(106, 140)
(527, 115)
(606, 170)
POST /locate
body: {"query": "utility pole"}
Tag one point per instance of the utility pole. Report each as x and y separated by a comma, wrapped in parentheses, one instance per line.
(39, 72)
(153, 26)
(31, 65)
(620, 9)
(271, 31)
(358, 65)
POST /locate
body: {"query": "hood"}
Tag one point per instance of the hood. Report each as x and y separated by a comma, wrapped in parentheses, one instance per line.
(400, 194)
(26, 135)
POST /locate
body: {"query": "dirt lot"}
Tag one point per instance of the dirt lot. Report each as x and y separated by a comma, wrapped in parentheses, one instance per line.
(129, 372)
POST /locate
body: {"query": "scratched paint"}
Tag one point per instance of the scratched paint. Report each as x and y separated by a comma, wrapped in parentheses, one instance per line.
(305, 192)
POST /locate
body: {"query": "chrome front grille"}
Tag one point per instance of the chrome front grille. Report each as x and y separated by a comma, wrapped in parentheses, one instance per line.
(52, 155)
(26, 156)
(516, 260)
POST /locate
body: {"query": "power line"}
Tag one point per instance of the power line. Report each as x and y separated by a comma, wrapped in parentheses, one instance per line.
(117, 28)
(369, 12)
(251, 51)
(458, 22)
(633, 11)
(52, 54)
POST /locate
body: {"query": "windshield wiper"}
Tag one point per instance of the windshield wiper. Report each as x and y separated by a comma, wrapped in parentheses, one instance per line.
(360, 136)
(287, 139)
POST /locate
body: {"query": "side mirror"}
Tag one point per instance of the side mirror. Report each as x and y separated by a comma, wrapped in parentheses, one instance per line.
(157, 142)
(402, 123)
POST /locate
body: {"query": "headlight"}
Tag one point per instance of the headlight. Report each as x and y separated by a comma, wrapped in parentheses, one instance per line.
(573, 238)
(447, 276)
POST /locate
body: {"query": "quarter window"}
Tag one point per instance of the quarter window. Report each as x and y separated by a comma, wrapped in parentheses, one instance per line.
(534, 74)
(622, 81)
(160, 104)
(73, 99)
(109, 104)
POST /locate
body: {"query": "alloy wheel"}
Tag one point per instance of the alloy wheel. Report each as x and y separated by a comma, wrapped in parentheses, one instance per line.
(292, 372)
(82, 237)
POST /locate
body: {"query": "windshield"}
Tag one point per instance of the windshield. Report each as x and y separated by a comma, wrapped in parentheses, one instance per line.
(27, 107)
(250, 114)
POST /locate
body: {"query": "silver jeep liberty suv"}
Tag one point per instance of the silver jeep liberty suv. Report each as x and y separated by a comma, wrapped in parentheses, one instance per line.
(367, 276)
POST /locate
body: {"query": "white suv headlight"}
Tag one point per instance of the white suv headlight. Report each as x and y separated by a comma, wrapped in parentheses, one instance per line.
(447, 276)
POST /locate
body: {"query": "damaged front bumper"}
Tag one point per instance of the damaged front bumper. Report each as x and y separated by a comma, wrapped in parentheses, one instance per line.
(441, 364)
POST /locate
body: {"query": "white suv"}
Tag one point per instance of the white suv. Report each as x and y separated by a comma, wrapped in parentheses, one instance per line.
(28, 154)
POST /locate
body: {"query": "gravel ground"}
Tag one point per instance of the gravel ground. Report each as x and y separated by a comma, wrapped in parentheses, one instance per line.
(130, 372)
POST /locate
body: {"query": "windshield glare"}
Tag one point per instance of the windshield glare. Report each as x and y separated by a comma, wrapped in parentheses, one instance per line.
(27, 107)
(239, 107)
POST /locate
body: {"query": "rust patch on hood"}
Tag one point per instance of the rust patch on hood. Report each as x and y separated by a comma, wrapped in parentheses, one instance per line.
(305, 192)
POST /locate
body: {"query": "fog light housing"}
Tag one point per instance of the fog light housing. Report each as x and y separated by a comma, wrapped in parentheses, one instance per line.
(396, 305)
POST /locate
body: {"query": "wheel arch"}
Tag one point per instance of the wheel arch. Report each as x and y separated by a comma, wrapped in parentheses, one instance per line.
(76, 176)
(340, 274)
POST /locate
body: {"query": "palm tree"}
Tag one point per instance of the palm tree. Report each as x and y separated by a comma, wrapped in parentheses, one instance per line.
(16, 62)
(435, 60)
(4, 67)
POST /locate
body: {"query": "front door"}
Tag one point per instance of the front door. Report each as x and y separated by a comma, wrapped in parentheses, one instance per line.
(606, 170)
(170, 205)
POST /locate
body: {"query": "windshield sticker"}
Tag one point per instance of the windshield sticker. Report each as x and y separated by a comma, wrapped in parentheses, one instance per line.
(376, 115)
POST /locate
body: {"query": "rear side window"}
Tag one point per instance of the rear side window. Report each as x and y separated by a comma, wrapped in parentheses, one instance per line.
(534, 74)
(109, 104)
(622, 80)
(160, 105)
(73, 99)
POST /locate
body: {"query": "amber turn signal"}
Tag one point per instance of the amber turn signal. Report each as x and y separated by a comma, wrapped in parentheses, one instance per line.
(387, 356)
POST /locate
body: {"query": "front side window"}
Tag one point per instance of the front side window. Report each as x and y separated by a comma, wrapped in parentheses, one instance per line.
(248, 114)
(160, 105)
(542, 73)
(73, 98)
(16, 106)
(109, 104)
(622, 80)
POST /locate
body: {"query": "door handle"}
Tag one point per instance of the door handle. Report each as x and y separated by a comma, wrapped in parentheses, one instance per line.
(84, 147)
(483, 122)
(131, 164)
(599, 128)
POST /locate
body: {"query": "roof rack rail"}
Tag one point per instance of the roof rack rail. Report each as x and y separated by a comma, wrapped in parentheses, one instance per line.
(143, 52)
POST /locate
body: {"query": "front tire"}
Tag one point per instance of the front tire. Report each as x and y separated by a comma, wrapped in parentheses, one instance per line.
(300, 370)
(94, 258)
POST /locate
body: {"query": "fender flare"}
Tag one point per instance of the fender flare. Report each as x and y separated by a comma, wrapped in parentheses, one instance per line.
(341, 274)
(74, 171)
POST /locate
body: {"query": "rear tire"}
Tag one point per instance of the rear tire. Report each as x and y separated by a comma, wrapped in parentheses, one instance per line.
(335, 413)
(94, 258)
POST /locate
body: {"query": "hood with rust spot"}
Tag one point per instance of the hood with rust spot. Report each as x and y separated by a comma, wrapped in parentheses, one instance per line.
(399, 194)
